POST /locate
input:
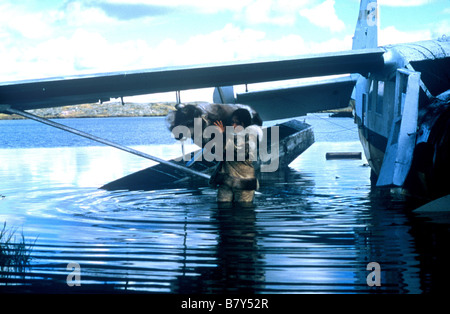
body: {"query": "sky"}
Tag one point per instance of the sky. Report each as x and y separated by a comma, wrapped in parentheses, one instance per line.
(48, 38)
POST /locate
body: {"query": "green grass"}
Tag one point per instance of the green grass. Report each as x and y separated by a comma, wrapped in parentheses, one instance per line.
(15, 254)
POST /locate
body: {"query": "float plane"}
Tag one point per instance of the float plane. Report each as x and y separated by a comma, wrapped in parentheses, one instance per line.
(401, 93)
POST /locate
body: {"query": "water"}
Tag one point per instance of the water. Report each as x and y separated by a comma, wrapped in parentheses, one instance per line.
(313, 229)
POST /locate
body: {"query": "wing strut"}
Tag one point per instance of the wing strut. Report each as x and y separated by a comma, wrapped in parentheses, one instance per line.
(106, 142)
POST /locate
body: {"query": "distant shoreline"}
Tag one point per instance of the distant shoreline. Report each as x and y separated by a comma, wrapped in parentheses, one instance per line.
(103, 110)
(128, 109)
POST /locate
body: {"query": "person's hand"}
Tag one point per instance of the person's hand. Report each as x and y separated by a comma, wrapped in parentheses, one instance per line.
(219, 124)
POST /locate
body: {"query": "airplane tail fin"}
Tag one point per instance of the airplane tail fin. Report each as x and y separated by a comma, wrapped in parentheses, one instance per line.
(366, 32)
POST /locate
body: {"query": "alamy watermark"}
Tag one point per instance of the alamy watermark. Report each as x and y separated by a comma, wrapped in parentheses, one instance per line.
(74, 278)
(374, 277)
(214, 147)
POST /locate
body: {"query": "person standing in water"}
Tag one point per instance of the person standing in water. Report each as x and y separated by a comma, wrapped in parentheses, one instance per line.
(236, 176)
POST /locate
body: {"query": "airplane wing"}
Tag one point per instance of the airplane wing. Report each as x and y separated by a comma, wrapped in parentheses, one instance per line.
(63, 91)
(300, 99)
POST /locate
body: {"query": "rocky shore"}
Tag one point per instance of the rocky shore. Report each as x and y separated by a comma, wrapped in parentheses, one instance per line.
(97, 110)
(128, 109)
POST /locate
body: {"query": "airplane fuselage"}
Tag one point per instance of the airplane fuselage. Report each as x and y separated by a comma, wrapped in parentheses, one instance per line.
(402, 111)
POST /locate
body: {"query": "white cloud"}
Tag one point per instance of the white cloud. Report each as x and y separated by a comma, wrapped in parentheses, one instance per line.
(333, 44)
(441, 28)
(278, 12)
(30, 25)
(324, 15)
(204, 5)
(85, 51)
(391, 35)
(258, 11)
(76, 40)
(228, 44)
(62, 42)
(75, 14)
(235, 44)
(404, 3)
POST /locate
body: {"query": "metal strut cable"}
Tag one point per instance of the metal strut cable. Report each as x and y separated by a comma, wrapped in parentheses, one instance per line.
(106, 142)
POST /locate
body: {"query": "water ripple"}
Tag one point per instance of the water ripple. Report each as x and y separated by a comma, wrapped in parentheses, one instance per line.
(313, 229)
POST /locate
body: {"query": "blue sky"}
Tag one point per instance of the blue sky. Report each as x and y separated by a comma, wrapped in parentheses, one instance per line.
(45, 38)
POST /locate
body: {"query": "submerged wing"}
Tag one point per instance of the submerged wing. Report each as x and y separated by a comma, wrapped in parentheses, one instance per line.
(64, 91)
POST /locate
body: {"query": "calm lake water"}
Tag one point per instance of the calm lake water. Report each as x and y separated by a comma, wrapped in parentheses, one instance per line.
(314, 228)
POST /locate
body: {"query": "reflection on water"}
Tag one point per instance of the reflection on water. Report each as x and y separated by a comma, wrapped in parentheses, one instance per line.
(313, 228)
